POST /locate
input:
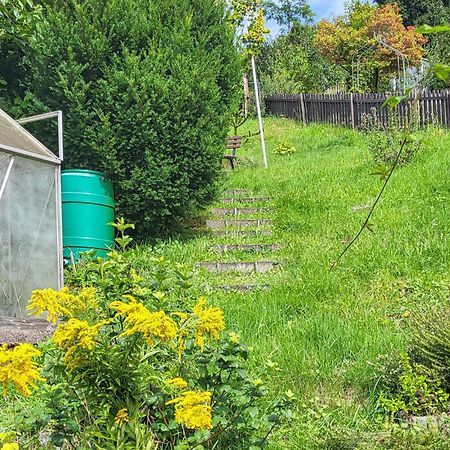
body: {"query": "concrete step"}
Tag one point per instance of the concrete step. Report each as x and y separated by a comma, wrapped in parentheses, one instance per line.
(237, 192)
(238, 266)
(256, 248)
(241, 233)
(237, 223)
(238, 211)
(239, 287)
(227, 200)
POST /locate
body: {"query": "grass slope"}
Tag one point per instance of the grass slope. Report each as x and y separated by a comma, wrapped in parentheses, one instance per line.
(324, 328)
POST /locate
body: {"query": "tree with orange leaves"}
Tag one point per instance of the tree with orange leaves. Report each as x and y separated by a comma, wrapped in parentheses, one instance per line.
(372, 38)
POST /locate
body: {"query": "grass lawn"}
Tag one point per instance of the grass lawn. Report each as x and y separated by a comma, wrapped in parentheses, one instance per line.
(325, 328)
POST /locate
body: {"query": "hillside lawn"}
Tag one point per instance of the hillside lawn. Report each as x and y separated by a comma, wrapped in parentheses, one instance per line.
(325, 329)
(320, 330)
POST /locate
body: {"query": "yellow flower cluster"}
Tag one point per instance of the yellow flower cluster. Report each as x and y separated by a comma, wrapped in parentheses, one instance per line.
(49, 300)
(177, 383)
(193, 410)
(121, 416)
(210, 322)
(17, 367)
(10, 446)
(61, 303)
(7, 438)
(76, 335)
(138, 319)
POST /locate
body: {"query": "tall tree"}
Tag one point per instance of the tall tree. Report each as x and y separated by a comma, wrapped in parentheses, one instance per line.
(418, 12)
(372, 38)
(289, 12)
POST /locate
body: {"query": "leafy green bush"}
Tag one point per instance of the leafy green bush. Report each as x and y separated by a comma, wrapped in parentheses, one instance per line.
(138, 361)
(416, 390)
(147, 90)
(431, 339)
(384, 140)
(284, 147)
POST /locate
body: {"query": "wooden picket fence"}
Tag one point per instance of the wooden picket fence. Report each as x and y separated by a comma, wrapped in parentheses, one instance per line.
(433, 108)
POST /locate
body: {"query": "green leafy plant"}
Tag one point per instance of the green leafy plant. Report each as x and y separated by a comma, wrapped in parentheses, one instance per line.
(431, 339)
(138, 361)
(284, 147)
(383, 139)
(414, 390)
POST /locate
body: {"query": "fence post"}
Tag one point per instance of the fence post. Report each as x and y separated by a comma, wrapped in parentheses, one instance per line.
(302, 107)
(448, 108)
(352, 111)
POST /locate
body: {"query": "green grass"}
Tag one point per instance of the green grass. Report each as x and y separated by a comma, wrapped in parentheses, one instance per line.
(325, 328)
(322, 327)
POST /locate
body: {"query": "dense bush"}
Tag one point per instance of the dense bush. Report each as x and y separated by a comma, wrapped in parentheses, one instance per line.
(146, 88)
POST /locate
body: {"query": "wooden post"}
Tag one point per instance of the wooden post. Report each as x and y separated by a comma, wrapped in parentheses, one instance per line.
(246, 95)
(352, 111)
(302, 108)
(258, 110)
(448, 108)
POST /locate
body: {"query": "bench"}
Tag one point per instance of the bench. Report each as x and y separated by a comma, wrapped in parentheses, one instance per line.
(233, 143)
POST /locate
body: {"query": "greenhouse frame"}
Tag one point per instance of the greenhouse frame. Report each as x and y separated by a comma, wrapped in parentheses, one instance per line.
(30, 218)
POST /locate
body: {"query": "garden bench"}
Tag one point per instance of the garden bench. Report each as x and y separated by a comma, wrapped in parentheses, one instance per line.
(233, 143)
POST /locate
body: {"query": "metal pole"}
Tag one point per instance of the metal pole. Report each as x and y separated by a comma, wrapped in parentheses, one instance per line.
(5, 180)
(258, 109)
(46, 116)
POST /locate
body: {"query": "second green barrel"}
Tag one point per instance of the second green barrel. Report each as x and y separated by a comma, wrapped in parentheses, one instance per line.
(87, 208)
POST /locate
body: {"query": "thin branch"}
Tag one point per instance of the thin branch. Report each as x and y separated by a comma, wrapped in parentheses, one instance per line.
(366, 222)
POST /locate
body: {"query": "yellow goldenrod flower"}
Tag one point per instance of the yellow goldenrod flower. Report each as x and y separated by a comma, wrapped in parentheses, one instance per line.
(17, 367)
(76, 335)
(10, 446)
(121, 417)
(61, 303)
(234, 337)
(210, 322)
(193, 410)
(48, 300)
(177, 383)
(138, 319)
(86, 299)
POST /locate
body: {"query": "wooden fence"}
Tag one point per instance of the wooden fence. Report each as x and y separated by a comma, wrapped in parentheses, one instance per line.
(352, 110)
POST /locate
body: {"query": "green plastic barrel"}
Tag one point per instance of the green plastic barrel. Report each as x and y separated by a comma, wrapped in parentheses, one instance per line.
(87, 208)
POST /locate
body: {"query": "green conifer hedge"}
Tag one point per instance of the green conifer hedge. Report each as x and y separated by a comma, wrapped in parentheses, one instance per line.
(147, 88)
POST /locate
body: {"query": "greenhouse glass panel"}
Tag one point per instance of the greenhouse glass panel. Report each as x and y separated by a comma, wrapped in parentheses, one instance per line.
(30, 225)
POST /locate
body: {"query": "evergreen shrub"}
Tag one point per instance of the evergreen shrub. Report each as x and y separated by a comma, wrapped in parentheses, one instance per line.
(147, 89)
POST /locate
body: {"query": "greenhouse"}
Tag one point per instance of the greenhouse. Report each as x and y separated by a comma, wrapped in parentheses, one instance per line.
(30, 218)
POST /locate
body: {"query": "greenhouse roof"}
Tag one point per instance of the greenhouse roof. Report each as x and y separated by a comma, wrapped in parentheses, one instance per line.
(15, 139)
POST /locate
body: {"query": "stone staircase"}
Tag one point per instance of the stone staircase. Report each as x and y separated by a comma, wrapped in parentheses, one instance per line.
(238, 233)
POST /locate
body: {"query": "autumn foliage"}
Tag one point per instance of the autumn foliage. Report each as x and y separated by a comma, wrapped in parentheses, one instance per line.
(358, 36)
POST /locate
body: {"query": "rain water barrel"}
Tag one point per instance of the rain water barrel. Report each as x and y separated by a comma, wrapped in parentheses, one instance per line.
(87, 208)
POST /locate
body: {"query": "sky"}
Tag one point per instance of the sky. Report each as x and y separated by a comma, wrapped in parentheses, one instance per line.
(323, 9)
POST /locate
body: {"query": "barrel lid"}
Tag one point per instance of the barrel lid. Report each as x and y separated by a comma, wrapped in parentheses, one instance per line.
(69, 171)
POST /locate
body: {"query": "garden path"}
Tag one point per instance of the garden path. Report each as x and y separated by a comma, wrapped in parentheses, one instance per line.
(241, 232)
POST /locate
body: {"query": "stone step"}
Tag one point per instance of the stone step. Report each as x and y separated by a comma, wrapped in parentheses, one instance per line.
(238, 266)
(237, 192)
(236, 223)
(245, 199)
(241, 233)
(239, 287)
(257, 248)
(238, 211)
